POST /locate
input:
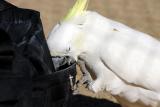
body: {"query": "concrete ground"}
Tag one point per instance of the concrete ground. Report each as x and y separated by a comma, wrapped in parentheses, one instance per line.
(143, 15)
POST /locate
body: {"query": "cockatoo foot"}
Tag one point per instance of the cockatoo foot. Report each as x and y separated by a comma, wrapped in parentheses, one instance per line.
(86, 77)
(96, 86)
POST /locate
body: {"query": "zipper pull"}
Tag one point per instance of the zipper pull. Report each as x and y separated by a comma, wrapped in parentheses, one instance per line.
(71, 82)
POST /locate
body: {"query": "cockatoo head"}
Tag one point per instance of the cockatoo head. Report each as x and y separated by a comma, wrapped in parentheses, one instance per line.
(66, 36)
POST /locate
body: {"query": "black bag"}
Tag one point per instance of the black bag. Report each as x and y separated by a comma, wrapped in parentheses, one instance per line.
(27, 74)
(55, 90)
(19, 89)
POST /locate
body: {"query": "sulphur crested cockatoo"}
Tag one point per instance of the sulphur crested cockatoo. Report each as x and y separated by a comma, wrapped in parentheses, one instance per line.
(125, 61)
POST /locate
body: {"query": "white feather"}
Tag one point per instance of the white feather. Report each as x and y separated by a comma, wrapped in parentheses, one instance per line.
(120, 56)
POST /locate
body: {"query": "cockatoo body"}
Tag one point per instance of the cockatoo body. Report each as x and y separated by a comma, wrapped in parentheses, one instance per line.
(125, 61)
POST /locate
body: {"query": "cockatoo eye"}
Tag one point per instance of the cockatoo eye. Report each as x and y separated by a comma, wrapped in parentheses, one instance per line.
(80, 26)
(68, 49)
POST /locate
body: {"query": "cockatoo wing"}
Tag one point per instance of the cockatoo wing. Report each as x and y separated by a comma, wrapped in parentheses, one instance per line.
(134, 57)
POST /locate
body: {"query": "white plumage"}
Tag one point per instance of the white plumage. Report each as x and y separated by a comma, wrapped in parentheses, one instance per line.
(125, 61)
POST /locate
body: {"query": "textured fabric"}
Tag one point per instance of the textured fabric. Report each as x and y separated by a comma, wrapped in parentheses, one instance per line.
(27, 74)
(15, 75)
(26, 32)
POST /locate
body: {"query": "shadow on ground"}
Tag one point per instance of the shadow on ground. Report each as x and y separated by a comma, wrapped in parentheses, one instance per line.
(85, 101)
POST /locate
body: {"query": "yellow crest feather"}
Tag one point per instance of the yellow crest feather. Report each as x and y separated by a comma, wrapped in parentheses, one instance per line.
(79, 8)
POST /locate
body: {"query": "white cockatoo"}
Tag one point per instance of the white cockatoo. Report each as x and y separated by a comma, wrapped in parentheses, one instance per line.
(126, 62)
